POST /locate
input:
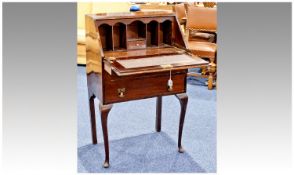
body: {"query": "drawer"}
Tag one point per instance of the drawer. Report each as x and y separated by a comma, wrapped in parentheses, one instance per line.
(137, 44)
(145, 86)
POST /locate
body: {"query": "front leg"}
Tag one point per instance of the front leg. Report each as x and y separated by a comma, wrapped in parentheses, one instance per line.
(183, 98)
(104, 110)
(93, 119)
(158, 113)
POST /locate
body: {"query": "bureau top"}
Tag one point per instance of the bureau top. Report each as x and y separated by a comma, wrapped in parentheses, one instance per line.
(124, 15)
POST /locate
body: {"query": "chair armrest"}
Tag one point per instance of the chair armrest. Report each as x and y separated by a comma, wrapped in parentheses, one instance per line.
(205, 35)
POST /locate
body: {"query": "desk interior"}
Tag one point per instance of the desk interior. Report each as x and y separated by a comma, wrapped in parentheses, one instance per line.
(157, 61)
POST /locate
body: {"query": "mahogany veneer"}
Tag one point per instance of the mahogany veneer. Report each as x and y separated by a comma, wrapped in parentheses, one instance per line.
(114, 37)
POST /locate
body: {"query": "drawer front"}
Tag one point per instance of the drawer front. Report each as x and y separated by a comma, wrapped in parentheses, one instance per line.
(139, 44)
(128, 88)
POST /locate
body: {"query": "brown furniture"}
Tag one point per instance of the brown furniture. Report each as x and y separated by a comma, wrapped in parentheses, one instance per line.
(202, 35)
(203, 19)
(134, 56)
(155, 6)
(209, 4)
(180, 11)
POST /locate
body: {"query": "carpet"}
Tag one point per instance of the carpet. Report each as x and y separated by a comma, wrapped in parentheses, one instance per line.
(137, 118)
(155, 152)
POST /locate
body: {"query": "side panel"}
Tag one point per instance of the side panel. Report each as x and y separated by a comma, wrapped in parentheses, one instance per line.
(179, 39)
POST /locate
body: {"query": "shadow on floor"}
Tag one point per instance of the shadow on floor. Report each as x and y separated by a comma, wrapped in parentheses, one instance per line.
(155, 152)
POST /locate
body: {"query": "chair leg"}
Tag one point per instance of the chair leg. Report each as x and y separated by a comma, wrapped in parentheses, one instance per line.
(203, 70)
(104, 110)
(210, 81)
(211, 71)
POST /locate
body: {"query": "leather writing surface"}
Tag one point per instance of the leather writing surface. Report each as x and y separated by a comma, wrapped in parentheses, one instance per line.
(135, 66)
(157, 61)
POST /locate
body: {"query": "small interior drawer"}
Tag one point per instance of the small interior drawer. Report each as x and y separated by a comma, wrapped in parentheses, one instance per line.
(137, 44)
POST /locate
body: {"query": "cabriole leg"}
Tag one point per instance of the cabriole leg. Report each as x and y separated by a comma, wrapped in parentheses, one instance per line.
(104, 110)
(183, 98)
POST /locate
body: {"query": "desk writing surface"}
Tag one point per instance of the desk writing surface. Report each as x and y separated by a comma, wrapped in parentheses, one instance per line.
(152, 64)
(158, 61)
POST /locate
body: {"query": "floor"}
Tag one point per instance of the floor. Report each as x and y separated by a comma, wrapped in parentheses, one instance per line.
(137, 118)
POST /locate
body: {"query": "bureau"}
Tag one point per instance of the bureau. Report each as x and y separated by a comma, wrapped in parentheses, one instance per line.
(133, 56)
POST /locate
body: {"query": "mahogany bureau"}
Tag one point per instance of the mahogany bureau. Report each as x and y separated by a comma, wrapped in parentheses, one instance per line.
(134, 56)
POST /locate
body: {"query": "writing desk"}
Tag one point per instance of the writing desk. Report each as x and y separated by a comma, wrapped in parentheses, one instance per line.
(133, 56)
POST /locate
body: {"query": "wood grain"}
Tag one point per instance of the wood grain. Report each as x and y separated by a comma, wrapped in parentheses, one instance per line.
(145, 86)
(112, 41)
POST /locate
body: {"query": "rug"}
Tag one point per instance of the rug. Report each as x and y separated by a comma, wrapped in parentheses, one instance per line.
(155, 152)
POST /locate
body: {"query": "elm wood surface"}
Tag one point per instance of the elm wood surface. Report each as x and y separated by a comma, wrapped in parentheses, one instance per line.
(109, 38)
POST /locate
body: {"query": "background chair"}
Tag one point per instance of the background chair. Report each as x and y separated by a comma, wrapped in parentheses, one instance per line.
(209, 4)
(181, 14)
(201, 35)
(204, 20)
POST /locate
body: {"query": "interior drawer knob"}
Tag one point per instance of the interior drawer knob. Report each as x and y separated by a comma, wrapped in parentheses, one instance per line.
(121, 92)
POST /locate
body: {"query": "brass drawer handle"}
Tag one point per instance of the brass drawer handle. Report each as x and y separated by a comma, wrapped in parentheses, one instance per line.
(121, 92)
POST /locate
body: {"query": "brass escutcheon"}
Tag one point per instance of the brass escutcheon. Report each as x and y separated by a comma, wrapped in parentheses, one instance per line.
(121, 92)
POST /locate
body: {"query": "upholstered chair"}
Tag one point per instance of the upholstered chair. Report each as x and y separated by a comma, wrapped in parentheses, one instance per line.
(181, 14)
(205, 20)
